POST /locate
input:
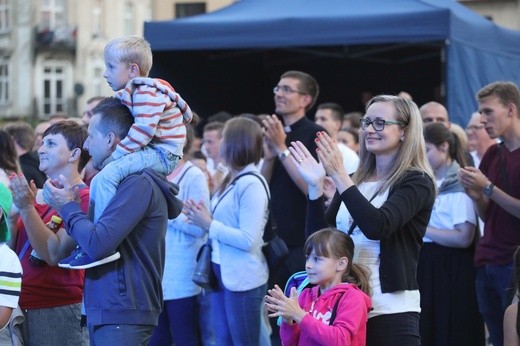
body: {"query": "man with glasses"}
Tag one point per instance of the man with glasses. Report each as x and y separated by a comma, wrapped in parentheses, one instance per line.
(294, 95)
(478, 138)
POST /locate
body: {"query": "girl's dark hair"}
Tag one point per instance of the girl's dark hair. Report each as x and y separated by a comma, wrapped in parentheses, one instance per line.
(8, 158)
(332, 243)
(437, 133)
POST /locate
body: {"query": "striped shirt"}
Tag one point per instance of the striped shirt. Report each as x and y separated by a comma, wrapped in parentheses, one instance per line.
(160, 114)
(10, 277)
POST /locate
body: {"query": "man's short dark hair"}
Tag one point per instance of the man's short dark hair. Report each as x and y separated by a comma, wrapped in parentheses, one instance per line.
(113, 117)
(22, 133)
(308, 85)
(95, 99)
(214, 126)
(221, 116)
(74, 134)
(336, 110)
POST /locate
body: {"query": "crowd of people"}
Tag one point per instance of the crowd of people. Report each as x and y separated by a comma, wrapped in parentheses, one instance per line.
(405, 224)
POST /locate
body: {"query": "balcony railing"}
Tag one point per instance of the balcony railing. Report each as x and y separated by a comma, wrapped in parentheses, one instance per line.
(61, 38)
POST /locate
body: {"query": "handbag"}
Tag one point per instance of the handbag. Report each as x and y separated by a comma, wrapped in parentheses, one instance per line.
(204, 275)
(275, 252)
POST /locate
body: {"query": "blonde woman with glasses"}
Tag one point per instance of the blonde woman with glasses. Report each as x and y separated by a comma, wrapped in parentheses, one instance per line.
(385, 207)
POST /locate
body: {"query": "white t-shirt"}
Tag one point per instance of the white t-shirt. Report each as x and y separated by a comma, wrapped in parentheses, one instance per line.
(476, 160)
(366, 252)
(10, 277)
(451, 209)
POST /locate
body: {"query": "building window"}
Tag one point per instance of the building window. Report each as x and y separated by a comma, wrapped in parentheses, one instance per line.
(4, 15)
(186, 9)
(54, 100)
(97, 23)
(97, 81)
(128, 18)
(52, 14)
(4, 81)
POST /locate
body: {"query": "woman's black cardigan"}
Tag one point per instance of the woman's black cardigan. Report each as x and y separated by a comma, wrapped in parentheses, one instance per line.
(399, 224)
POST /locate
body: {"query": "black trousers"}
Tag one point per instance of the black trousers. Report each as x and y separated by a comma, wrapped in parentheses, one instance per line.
(394, 330)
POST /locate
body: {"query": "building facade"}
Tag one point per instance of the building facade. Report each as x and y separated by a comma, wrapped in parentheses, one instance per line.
(51, 51)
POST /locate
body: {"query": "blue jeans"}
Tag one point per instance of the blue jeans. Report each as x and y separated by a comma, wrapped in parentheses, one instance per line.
(104, 184)
(178, 323)
(492, 283)
(54, 326)
(120, 334)
(236, 315)
(206, 326)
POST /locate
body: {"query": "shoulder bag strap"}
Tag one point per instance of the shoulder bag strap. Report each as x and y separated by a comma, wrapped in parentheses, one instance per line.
(183, 174)
(518, 319)
(269, 232)
(354, 224)
(259, 178)
(229, 188)
(27, 243)
(335, 310)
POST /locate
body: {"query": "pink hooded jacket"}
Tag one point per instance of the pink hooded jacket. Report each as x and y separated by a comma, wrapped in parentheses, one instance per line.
(348, 328)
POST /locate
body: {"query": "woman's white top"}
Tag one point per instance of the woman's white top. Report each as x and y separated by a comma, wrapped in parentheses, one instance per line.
(366, 252)
(451, 209)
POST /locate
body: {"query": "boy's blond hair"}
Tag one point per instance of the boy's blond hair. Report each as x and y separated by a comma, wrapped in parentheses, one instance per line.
(131, 50)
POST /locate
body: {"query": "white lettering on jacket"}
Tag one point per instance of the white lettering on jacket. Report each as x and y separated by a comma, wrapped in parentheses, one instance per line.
(323, 317)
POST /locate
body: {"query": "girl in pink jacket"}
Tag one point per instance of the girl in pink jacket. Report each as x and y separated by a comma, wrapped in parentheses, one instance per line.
(332, 312)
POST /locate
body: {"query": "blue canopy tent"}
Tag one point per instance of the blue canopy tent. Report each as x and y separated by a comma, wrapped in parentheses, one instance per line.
(468, 50)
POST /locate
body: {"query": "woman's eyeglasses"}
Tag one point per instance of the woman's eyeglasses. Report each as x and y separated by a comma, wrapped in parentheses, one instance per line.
(379, 124)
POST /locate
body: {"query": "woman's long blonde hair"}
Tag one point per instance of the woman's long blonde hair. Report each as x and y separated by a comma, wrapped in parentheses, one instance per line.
(411, 154)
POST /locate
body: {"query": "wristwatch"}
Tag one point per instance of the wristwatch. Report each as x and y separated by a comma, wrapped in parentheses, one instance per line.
(284, 154)
(488, 189)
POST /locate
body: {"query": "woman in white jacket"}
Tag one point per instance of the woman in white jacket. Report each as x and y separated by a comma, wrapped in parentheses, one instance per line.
(235, 224)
